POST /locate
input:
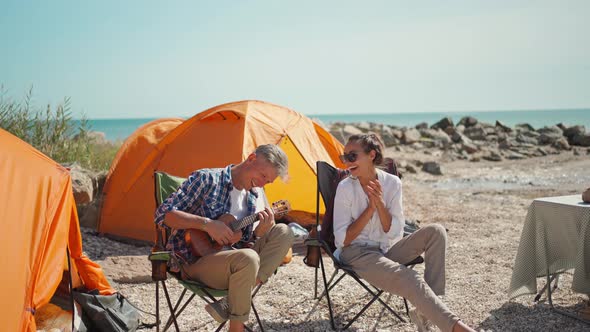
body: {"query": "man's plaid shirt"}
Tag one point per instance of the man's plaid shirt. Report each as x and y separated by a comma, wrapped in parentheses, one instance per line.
(205, 193)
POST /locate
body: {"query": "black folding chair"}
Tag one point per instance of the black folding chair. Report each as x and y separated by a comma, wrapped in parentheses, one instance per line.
(165, 185)
(328, 178)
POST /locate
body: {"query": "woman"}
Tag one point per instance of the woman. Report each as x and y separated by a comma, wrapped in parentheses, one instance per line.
(368, 231)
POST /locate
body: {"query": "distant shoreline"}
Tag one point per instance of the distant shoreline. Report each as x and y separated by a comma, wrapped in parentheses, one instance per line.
(119, 129)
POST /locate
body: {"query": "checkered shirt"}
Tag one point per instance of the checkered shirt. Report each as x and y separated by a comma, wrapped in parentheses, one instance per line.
(205, 193)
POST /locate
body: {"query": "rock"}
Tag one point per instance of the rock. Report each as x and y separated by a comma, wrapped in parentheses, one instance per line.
(421, 125)
(550, 130)
(127, 269)
(582, 140)
(338, 134)
(437, 135)
(350, 130)
(98, 181)
(397, 133)
(409, 168)
(432, 167)
(574, 131)
(549, 134)
(561, 144)
(524, 127)
(526, 139)
(82, 184)
(503, 127)
(507, 143)
(388, 138)
(97, 137)
(417, 146)
(410, 136)
(88, 214)
(460, 128)
(514, 155)
(443, 123)
(458, 137)
(493, 156)
(532, 134)
(476, 132)
(364, 126)
(542, 152)
(468, 121)
(470, 148)
(492, 138)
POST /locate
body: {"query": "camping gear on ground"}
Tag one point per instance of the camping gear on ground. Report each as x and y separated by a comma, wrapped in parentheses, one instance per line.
(39, 225)
(300, 233)
(107, 313)
(222, 135)
(328, 178)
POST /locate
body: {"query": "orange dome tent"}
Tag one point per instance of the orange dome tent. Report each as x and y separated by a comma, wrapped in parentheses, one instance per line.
(214, 138)
(39, 221)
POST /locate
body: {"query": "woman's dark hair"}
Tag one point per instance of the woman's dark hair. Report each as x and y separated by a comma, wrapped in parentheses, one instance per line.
(369, 142)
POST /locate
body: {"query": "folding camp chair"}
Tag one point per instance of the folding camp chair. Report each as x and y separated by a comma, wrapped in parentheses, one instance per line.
(166, 184)
(328, 178)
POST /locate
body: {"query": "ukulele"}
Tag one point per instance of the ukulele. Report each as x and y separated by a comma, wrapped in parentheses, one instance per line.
(202, 244)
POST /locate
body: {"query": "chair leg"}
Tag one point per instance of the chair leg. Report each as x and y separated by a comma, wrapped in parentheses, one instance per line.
(327, 293)
(378, 298)
(407, 309)
(172, 315)
(157, 306)
(332, 284)
(177, 311)
(315, 288)
(257, 317)
(220, 327)
(375, 297)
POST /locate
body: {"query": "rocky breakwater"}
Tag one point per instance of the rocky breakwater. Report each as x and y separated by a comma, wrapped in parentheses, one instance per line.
(87, 186)
(470, 140)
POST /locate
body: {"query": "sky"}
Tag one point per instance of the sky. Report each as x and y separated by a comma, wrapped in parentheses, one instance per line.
(140, 59)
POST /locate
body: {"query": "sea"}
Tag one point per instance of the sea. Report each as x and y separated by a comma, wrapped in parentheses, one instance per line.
(119, 129)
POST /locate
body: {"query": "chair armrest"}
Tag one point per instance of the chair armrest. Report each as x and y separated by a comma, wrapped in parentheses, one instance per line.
(417, 260)
(313, 242)
(160, 256)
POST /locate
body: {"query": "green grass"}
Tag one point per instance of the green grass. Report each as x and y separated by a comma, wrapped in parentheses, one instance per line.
(54, 132)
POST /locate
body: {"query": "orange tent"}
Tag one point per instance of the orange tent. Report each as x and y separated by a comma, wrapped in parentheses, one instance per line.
(39, 221)
(213, 138)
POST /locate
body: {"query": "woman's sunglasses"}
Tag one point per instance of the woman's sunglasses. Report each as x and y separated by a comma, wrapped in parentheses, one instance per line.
(350, 157)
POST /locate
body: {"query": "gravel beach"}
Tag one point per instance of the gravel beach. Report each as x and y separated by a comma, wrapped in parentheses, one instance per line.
(482, 204)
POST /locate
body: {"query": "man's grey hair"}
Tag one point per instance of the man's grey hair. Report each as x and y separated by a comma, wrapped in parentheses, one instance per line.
(276, 157)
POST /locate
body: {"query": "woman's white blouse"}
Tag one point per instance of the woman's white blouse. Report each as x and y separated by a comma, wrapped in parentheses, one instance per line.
(351, 201)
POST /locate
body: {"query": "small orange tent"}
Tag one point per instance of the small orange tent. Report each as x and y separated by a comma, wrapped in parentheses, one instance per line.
(213, 138)
(39, 221)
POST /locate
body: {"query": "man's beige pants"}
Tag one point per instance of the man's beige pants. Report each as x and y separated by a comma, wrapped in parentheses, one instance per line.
(386, 272)
(237, 270)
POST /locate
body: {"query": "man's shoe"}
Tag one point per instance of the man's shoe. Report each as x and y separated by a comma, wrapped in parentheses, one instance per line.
(422, 323)
(219, 310)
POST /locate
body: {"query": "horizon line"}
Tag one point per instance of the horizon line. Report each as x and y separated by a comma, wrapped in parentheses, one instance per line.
(365, 114)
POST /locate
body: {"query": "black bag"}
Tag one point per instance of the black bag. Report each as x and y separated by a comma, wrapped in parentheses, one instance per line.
(108, 313)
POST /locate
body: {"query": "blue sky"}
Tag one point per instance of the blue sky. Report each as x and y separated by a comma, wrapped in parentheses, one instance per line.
(127, 59)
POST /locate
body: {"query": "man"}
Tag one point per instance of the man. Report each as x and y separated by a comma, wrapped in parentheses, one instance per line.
(235, 189)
